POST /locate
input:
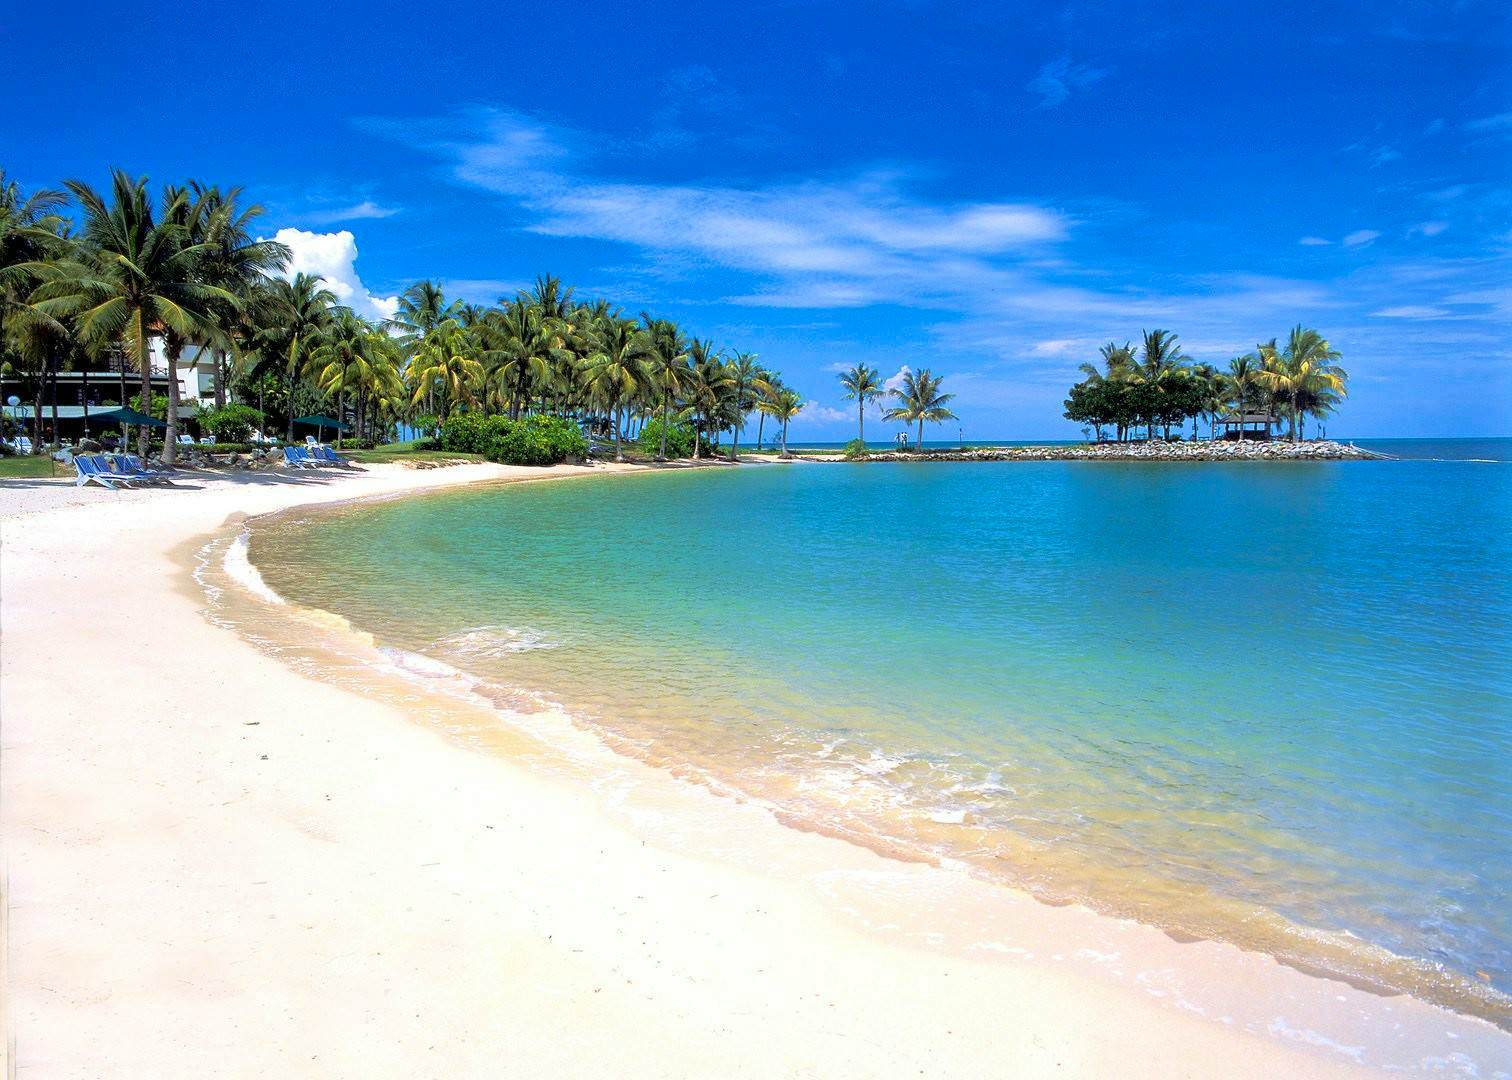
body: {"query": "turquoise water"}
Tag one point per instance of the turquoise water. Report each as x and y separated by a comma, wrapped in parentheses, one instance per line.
(1267, 702)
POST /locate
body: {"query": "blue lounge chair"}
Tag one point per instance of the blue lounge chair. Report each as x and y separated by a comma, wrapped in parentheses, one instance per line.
(131, 467)
(330, 457)
(92, 470)
(296, 458)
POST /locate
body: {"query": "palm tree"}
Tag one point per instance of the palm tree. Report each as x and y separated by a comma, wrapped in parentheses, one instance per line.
(862, 384)
(344, 358)
(1160, 366)
(138, 276)
(298, 311)
(523, 352)
(919, 399)
(30, 228)
(444, 363)
(783, 405)
(1210, 387)
(1241, 381)
(767, 388)
(1305, 377)
(746, 378)
(707, 380)
(235, 261)
(614, 374)
(665, 352)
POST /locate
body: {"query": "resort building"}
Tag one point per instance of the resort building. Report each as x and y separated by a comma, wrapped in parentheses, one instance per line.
(72, 395)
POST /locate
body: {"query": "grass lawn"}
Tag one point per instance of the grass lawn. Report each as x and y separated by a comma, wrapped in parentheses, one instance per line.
(31, 467)
(408, 452)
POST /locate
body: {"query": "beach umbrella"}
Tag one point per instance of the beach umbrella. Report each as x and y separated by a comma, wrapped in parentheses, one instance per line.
(127, 415)
(323, 422)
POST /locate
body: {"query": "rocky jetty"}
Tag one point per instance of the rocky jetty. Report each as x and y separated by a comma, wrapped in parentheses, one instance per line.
(1158, 450)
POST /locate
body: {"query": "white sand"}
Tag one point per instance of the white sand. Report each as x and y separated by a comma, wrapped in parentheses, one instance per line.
(338, 890)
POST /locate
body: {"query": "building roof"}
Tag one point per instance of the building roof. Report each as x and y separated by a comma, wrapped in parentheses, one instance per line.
(1249, 418)
(76, 412)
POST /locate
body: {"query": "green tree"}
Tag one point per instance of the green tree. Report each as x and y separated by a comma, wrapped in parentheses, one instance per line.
(297, 311)
(920, 400)
(782, 406)
(665, 352)
(137, 275)
(615, 375)
(862, 384)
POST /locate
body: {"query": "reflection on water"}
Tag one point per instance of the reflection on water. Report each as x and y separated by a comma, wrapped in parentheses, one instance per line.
(1267, 703)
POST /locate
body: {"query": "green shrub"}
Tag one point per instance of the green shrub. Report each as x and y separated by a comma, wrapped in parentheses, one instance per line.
(230, 423)
(679, 439)
(855, 450)
(472, 433)
(538, 440)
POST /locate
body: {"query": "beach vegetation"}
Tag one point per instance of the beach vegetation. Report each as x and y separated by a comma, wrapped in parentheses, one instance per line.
(1158, 386)
(91, 277)
(920, 401)
(862, 385)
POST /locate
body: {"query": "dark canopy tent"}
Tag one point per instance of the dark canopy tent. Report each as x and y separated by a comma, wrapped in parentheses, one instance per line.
(126, 416)
(322, 422)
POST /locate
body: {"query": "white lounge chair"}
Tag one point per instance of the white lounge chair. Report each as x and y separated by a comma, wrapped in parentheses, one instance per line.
(93, 470)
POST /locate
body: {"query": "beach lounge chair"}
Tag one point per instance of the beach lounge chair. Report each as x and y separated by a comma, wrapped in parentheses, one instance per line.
(328, 456)
(186, 440)
(22, 443)
(92, 470)
(131, 467)
(295, 457)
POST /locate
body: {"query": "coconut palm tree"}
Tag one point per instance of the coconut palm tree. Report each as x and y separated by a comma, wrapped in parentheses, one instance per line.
(1305, 377)
(297, 311)
(862, 384)
(524, 349)
(614, 374)
(235, 260)
(782, 406)
(1159, 367)
(920, 399)
(137, 276)
(665, 352)
(1241, 382)
(30, 235)
(344, 359)
(707, 380)
(746, 379)
(443, 367)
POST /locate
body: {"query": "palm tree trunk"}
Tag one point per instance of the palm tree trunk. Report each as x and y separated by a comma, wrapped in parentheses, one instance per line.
(735, 436)
(784, 437)
(861, 421)
(144, 360)
(84, 396)
(340, 409)
(170, 433)
(54, 381)
(697, 442)
(666, 406)
(919, 447)
(760, 427)
(218, 378)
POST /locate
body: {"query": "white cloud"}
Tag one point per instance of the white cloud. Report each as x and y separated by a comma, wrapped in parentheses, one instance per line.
(366, 209)
(1057, 79)
(332, 256)
(1062, 347)
(851, 242)
(1360, 237)
(896, 382)
(1314, 241)
(1429, 228)
(1499, 122)
(1411, 311)
(825, 414)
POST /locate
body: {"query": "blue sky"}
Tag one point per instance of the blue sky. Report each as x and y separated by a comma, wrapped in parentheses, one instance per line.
(990, 191)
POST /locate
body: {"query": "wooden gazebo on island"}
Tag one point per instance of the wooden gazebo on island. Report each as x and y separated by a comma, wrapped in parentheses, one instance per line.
(1251, 427)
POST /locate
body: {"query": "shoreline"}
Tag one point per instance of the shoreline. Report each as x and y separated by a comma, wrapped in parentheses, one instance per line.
(1156, 450)
(68, 932)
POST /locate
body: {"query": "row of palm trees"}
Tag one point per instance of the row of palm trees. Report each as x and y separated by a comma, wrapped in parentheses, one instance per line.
(919, 398)
(188, 269)
(1157, 385)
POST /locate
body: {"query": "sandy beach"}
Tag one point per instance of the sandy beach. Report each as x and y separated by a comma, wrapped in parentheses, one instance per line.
(218, 866)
